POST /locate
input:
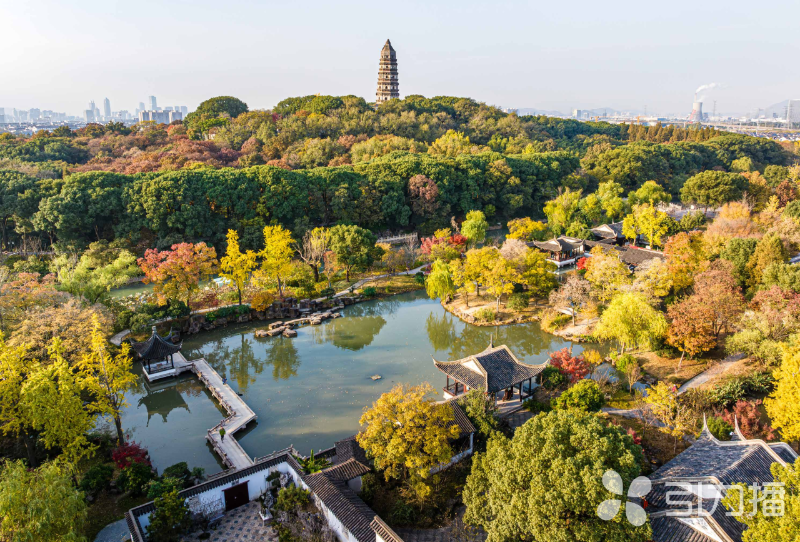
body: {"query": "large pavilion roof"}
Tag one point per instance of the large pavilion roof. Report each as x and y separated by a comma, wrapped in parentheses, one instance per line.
(494, 369)
(156, 347)
(559, 244)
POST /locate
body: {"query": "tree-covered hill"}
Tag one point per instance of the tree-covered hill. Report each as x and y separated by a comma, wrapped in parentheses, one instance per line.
(313, 160)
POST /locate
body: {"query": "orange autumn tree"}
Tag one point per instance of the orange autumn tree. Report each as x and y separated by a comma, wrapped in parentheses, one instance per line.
(177, 273)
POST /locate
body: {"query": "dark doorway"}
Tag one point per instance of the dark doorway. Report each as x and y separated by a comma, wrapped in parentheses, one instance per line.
(236, 496)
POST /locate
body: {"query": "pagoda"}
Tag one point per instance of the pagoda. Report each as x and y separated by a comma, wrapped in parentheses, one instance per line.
(388, 87)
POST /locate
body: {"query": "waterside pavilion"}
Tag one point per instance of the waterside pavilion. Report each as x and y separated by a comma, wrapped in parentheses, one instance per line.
(496, 371)
(157, 354)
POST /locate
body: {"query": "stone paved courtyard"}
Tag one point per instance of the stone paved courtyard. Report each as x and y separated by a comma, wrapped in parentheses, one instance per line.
(240, 525)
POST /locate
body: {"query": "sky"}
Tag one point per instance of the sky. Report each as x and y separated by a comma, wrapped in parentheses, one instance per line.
(555, 55)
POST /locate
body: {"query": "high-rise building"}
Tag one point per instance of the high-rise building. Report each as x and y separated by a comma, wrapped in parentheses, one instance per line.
(106, 108)
(140, 108)
(152, 102)
(88, 115)
(2, 115)
(184, 111)
(793, 112)
(161, 117)
(388, 86)
(34, 114)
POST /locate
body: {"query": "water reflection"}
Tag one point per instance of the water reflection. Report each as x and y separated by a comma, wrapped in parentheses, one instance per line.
(447, 333)
(242, 362)
(320, 380)
(284, 358)
(352, 333)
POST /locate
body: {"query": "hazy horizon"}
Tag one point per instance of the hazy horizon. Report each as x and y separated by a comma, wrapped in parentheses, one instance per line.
(579, 55)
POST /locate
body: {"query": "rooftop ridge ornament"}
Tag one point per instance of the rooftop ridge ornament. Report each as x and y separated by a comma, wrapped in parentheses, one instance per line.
(388, 86)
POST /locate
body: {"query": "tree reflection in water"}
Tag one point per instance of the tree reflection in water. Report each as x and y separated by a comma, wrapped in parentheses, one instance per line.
(459, 340)
(283, 357)
(241, 362)
(355, 331)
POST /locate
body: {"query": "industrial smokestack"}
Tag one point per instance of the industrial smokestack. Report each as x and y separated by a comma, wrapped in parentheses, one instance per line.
(697, 112)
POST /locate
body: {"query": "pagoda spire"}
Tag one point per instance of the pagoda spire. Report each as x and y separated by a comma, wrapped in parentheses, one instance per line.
(388, 86)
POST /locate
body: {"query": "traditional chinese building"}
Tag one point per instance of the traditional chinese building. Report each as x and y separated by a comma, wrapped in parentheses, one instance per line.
(563, 250)
(157, 354)
(684, 502)
(388, 87)
(496, 371)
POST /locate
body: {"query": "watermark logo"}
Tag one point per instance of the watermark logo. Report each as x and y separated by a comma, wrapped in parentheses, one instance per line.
(609, 509)
(686, 499)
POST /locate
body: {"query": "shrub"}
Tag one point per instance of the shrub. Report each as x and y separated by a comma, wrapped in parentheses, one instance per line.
(127, 454)
(369, 486)
(327, 292)
(179, 471)
(518, 302)
(402, 513)
(96, 479)
(635, 436)
(171, 518)
(585, 395)
(573, 367)
(749, 418)
(159, 487)
(481, 412)
(729, 393)
(313, 464)
(592, 357)
(291, 498)
(484, 315)
(537, 406)
(719, 428)
(552, 320)
(233, 311)
(552, 378)
(419, 278)
(369, 291)
(135, 478)
(261, 301)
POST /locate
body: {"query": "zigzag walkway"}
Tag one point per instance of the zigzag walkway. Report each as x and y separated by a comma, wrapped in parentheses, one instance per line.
(239, 414)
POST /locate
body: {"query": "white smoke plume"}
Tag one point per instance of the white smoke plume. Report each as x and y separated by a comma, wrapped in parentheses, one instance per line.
(699, 95)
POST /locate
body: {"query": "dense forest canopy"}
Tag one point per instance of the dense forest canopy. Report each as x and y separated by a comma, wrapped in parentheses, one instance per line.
(316, 160)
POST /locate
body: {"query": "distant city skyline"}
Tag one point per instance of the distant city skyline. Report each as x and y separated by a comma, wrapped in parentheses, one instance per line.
(577, 55)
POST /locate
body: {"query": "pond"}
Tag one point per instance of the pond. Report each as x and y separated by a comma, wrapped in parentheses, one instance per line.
(310, 391)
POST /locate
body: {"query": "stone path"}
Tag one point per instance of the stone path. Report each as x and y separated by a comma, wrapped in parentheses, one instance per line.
(242, 524)
(114, 532)
(708, 374)
(239, 414)
(519, 417)
(117, 339)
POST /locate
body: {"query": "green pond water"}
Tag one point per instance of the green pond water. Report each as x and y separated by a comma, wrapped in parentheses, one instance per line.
(310, 391)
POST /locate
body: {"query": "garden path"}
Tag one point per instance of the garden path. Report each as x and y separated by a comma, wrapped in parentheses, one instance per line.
(708, 374)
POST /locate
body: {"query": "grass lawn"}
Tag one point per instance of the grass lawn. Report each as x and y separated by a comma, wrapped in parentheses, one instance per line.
(666, 369)
(621, 399)
(394, 285)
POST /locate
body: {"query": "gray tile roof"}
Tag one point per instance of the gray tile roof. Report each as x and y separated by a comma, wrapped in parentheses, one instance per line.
(713, 464)
(347, 470)
(384, 531)
(670, 529)
(559, 244)
(606, 231)
(156, 347)
(499, 369)
(343, 503)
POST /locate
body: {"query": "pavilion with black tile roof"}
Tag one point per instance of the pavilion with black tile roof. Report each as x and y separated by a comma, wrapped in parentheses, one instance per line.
(494, 370)
(696, 481)
(157, 348)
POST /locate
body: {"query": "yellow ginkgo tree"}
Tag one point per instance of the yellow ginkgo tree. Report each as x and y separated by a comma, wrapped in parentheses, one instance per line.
(107, 377)
(236, 265)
